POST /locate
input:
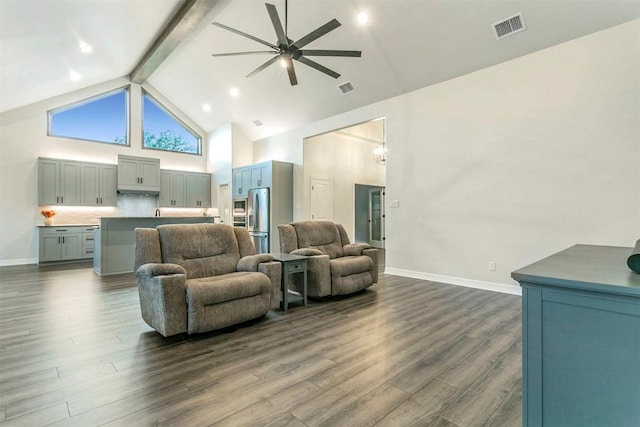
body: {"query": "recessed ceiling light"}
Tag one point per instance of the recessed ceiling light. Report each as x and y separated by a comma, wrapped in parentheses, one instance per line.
(234, 92)
(85, 47)
(74, 75)
(206, 107)
(363, 18)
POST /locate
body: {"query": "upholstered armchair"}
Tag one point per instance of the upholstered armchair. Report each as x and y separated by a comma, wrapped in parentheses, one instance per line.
(200, 277)
(335, 265)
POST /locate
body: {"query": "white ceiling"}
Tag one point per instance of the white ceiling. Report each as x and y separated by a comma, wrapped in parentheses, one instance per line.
(407, 44)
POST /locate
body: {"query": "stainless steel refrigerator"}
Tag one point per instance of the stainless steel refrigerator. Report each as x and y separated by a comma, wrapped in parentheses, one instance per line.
(258, 212)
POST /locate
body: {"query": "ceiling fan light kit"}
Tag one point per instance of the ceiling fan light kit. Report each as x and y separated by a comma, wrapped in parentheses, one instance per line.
(287, 51)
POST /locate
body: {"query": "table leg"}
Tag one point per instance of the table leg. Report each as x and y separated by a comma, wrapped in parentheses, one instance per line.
(305, 286)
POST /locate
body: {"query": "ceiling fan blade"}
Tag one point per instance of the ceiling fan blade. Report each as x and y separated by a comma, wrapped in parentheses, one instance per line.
(322, 68)
(291, 71)
(243, 53)
(277, 25)
(319, 32)
(352, 53)
(263, 66)
(249, 36)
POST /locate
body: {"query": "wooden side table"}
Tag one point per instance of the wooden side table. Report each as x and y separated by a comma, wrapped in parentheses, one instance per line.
(291, 264)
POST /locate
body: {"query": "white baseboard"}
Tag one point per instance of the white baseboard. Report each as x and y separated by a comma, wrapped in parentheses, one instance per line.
(458, 281)
(23, 261)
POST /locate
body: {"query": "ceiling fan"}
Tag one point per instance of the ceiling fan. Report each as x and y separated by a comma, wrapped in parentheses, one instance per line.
(287, 50)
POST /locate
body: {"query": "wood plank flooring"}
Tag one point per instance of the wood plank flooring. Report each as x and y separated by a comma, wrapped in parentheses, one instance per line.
(74, 351)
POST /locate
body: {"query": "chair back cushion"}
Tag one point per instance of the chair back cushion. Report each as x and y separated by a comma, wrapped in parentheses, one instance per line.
(202, 249)
(321, 235)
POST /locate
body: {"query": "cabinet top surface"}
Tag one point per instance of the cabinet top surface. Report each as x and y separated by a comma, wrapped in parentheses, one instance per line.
(588, 267)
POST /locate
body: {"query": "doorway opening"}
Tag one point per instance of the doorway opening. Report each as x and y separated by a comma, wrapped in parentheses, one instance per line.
(369, 215)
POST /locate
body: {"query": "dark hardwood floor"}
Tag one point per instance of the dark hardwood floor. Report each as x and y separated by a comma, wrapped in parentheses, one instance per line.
(75, 351)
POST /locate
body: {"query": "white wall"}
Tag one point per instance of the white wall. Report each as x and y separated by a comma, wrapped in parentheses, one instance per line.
(511, 163)
(345, 160)
(23, 138)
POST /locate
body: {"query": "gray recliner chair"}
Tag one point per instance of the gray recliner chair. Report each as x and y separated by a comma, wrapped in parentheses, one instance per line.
(335, 265)
(201, 277)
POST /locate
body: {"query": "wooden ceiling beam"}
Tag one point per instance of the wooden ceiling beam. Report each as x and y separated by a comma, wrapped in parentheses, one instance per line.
(186, 17)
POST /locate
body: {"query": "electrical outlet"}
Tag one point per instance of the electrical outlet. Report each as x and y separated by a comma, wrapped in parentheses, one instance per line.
(492, 266)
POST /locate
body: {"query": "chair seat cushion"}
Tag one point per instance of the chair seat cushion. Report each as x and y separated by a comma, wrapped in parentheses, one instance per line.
(227, 287)
(348, 265)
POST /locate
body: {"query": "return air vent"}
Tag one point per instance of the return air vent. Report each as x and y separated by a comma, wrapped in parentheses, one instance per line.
(257, 122)
(511, 25)
(345, 88)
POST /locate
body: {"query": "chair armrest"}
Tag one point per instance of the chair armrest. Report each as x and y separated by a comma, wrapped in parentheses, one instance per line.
(319, 275)
(153, 269)
(373, 253)
(307, 252)
(273, 270)
(250, 262)
(163, 297)
(354, 249)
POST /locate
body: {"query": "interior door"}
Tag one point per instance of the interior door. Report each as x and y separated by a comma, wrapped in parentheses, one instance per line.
(321, 199)
(376, 217)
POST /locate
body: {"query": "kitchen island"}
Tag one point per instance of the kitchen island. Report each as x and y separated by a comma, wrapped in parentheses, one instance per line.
(581, 339)
(115, 243)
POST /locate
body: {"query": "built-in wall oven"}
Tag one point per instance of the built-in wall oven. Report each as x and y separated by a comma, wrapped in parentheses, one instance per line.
(240, 213)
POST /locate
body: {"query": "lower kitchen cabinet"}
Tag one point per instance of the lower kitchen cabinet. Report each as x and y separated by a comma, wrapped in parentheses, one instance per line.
(65, 243)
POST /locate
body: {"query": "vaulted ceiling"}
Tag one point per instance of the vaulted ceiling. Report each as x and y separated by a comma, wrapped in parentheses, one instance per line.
(406, 45)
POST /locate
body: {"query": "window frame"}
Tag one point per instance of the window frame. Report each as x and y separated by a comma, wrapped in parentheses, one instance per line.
(127, 114)
(159, 105)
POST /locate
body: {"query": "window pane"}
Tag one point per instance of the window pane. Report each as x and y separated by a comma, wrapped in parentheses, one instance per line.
(102, 119)
(162, 131)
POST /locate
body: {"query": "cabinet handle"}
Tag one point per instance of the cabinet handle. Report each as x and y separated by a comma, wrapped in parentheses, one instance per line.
(58, 239)
(141, 180)
(63, 239)
(100, 200)
(57, 199)
(61, 199)
(260, 182)
(97, 201)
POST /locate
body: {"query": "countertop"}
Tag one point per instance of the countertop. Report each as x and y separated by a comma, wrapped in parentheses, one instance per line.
(68, 225)
(588, 267)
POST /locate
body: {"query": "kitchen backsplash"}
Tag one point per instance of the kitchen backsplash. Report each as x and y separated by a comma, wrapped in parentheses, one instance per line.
(128, 205)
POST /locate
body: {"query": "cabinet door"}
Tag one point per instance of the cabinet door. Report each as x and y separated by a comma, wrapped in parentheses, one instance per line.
(265, 175)
(127, 172)
(71, 247)
(237, 182)
(90, 185)
(246, 181)
(48, 182)
(179, 189)
(108, 185)
(204, 190)
(149, 175)
(192, 190)
(49, 247)
(70, 183)
(166, 189)
(256, 177)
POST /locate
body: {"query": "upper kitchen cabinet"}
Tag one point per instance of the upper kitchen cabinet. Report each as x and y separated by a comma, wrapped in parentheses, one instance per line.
(241, 181)
(173, 186)
(198, 190)
(261, 175)
(99, 185)
(59, 182)
(138, 174)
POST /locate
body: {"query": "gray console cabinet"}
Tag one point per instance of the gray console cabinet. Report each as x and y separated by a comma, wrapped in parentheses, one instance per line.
(581, 339)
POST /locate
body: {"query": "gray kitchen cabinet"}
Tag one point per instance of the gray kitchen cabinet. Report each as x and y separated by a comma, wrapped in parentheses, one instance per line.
(198, 190)
(99, 184)
(261, 175)
(172, 189)
(241, 181)
(138, 174)
(59, 182)
(65, 243)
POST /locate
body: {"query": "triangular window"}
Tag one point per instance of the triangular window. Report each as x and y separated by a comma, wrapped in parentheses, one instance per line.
(103, 118)
(164, 131)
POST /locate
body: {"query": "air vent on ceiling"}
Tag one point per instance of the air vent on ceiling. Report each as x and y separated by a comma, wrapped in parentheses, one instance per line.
(511, 25)
(257, 122)
(345, 88)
